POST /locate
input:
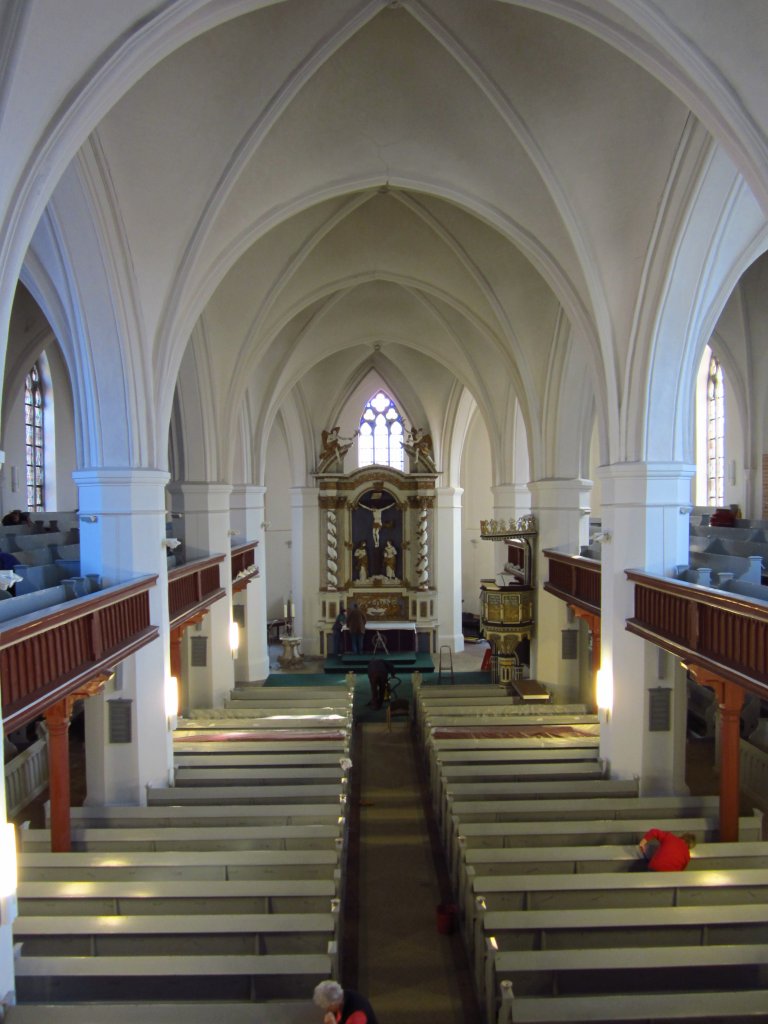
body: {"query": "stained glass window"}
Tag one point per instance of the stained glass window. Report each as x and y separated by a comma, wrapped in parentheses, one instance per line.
(715, 434)
(381, 433)
(33, 427)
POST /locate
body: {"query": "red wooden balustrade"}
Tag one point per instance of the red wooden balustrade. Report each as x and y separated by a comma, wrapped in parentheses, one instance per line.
(574, 579)
(723, 633)
(243, 562)
(192, 588)
(48, 655)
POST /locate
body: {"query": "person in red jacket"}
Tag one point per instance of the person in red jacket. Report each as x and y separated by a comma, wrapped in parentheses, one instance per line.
(668, 852)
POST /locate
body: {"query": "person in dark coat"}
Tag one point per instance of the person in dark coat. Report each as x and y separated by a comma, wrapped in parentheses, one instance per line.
(378, 675)
(356, 627)
(342, 1006)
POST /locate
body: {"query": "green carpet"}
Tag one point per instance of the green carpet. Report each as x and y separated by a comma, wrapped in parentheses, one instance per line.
(401, 661)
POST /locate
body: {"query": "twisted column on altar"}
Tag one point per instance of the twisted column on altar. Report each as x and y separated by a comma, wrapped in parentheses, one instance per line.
(332, 550)
(422, 559)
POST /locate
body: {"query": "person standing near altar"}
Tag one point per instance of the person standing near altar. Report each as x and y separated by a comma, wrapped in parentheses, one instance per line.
(356, 627)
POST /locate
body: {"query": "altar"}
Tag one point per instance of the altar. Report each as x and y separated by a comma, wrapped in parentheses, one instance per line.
(393, 630)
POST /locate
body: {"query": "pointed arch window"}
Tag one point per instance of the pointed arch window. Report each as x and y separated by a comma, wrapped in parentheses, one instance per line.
(34, 435)
(380, 440)
(715, 433)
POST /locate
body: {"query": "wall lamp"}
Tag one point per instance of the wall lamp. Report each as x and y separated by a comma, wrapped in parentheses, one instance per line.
(234, 638)
(171, 543)
(88, 519)
(602, 538)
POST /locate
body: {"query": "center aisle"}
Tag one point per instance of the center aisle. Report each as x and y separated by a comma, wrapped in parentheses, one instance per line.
(394, 953)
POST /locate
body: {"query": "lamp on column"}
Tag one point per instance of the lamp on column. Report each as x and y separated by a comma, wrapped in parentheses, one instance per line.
(234, 638)
(171, 701)
(604, 691)
(8, 874)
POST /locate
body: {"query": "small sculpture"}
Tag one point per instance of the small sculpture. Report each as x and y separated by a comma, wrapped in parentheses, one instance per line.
(390, 560)
(419, 448)
(361, 561)
(333, 450)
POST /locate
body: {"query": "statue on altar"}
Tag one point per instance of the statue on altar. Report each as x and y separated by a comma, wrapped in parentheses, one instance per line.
(361, 561)
(418, 445)
(390, 561)
(334, 448)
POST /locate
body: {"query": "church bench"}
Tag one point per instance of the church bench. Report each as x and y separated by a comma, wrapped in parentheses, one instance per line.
(522, 724)
(592, 768)
(298, 1011)
(218, 718)
(257, 775)
(501, 699)
(214, 977)
(502, 931)
(588, 859)
(245, 759)
(221, 865)
(279, 693)
(475, 750)
(178, 934)
(690, 969)
(234, 794)
(638, 1007)
(525, 834)
(211, 815)
(289, 896)
(166, 837)
(264, 748)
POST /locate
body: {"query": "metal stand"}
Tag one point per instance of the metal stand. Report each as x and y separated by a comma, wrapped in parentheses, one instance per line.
(449, 666)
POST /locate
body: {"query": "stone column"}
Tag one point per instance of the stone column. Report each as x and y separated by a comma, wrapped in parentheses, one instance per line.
(248, 520)
(305, 565)
(122, 534)
(447, 560)
(206, 527)
(561, 508)
(645, 526)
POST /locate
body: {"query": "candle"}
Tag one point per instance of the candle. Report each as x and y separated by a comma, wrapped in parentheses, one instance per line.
(285, 610)
(293, 609)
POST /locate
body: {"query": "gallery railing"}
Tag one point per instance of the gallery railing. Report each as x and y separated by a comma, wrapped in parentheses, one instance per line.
(46, 656)
(574, 579)
(192, 588)
(719, 631)
(243, 563)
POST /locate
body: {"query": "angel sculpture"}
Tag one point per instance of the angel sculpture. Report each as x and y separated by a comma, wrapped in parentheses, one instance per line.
(419, 448)
(334, 448)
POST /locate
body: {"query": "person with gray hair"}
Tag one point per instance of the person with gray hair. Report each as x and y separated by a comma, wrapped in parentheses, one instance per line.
(342, 1006)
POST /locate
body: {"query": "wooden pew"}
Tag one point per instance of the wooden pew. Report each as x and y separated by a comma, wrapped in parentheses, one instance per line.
(612, 928)
(643, 1007)
(614, 832)
(299, 1011)
(46, 978)
(222, 865)
(691, 969)
(178, 934)
(208, 816)
(289, 896)
(260, 776)
(283, 796)
(517, 719)
(160, 837)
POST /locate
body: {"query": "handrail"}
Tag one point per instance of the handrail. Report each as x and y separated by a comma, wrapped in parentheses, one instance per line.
(719, 631)
(574, 579)
(192, 588)
(243, 563)
(46, 655)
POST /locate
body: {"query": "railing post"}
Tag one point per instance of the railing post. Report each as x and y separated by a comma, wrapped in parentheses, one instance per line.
(57, 719)
(730, 699)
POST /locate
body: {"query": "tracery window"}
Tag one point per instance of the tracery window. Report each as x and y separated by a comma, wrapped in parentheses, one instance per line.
(33, 431)
(381, 433)
(715, 433)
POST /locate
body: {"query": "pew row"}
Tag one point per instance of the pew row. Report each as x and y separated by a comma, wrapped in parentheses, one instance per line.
(224, 865)
(203, 816)
(592, 929)
(65, 978)
(118, 838)
(694, 970)
(746, 1005)
(274, 1012)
